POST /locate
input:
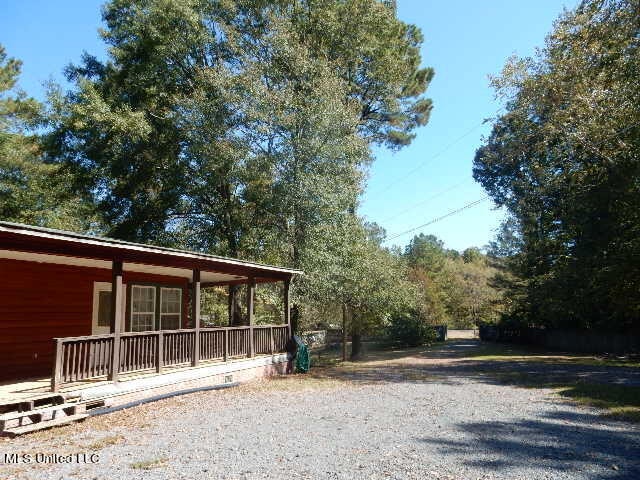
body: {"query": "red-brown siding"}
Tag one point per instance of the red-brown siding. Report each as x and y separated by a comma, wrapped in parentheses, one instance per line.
(41, 301)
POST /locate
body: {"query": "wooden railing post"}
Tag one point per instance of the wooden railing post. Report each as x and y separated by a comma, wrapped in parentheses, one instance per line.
(271, 333)
(116, 317)
(160, 352)
(225, 352)
(287, 307)
(195, 305)
(251, 291)
(56, 375)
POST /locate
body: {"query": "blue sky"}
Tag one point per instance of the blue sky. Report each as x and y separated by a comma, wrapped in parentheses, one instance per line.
(465, 41)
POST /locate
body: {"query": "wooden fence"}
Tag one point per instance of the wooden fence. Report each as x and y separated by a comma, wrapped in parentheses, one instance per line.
(586, 341)
(83, 358)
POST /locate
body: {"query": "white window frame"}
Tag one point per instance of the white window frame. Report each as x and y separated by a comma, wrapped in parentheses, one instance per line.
(153, 313)
(178, 313)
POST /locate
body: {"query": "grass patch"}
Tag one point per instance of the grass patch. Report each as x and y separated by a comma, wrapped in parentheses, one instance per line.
(500, 351)
(620, 401)
(510, 353)
(106, 442)
(325, 357)
(314, 380)
(371, 352)
(149, 464)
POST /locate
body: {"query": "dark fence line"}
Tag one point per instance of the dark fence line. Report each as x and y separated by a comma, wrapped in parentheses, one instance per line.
(584, 341)
(441, 332)
(333, 336)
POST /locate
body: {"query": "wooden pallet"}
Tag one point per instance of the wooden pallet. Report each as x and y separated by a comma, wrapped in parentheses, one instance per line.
(26, 404)
(33, 427)
(39, 412)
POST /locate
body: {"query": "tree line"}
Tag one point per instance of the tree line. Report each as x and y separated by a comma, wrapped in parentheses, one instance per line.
(241, 128)
(245, 128)
(564, 161)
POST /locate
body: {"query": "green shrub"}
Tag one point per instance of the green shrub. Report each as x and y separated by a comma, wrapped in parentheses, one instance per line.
(409, 330)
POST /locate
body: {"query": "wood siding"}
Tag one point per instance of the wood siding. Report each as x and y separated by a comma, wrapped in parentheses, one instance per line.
(41, 301)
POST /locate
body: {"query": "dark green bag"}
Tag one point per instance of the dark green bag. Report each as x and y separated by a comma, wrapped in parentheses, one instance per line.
(303, 360)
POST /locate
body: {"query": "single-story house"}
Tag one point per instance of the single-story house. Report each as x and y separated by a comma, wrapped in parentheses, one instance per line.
(81, 308)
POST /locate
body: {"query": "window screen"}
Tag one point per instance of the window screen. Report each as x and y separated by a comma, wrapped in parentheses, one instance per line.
(170, 308)
(104, 309)
(143, 308)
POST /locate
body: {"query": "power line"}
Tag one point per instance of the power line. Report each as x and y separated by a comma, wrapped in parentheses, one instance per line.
(449, 214)
(480, 200)
(423, 202)
(429, 160)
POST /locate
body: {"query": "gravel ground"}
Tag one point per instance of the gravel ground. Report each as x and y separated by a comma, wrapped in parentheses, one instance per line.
(420, 417)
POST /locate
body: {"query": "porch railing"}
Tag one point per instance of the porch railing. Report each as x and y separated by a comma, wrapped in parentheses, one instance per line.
(83, 358)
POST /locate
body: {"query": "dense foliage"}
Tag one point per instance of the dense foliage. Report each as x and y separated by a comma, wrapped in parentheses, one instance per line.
(244, 128)
(409, 330)
(564, 160)
(31, 191)
(459, 290)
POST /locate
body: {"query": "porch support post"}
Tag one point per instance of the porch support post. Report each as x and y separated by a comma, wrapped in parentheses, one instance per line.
(287, 306)
(271, 345)
(56, 377)
(232, 304)
(195, 315)
(116, 317)
(251, 290)
(251, 293)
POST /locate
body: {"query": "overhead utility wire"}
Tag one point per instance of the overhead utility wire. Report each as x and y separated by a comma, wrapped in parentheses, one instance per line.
(430, 159)
(480, 200)
(449, 214)
(427, 200)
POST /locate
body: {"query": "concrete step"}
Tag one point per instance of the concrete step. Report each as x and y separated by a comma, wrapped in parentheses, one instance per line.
(32, 427)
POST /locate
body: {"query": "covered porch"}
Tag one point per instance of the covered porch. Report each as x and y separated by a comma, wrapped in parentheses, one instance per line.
(144, 321)
(126, 351)
(79, 360)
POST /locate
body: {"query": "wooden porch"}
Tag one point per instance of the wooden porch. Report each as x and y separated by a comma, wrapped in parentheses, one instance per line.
(228, 356)
(113, 320)
(80, 360)
(108, 356)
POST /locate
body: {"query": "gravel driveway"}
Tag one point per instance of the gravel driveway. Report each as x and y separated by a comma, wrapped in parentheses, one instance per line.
(420, 417)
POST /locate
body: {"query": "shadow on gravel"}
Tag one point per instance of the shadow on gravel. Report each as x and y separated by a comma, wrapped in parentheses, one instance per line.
(455, 359)
(614, 388)
(562, 442)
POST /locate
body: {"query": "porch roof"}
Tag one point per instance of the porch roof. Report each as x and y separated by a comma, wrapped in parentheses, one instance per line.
(26, 242)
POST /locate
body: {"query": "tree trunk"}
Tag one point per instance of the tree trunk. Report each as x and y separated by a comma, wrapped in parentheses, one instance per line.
(295, 318)
(344, 332)
(356, 337)
(235, 316)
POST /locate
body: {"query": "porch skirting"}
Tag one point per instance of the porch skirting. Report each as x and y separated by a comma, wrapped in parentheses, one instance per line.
(118, 393)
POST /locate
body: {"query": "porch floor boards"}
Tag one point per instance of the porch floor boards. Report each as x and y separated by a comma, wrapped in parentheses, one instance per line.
(30, 388)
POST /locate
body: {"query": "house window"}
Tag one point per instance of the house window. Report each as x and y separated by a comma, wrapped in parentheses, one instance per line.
(143, 308)
(170, 308)
(104, 308)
